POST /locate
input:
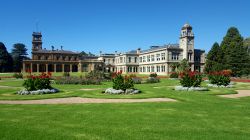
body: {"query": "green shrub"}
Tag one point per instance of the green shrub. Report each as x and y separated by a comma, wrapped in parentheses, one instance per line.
(18, 75)
(220, 77)
(38, 82)
(153, 75)
(174, 75)
(123, 83)
(190, 79)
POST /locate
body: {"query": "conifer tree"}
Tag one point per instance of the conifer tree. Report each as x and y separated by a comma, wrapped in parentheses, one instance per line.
(5, 59)
(214, 59)
(235, 56)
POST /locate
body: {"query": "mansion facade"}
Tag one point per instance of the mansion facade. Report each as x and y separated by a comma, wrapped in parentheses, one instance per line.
(157, 59)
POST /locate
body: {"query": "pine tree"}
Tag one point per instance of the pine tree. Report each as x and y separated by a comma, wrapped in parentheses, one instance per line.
(5, 59)
(19, 53)
(214, 59)
(235, 56)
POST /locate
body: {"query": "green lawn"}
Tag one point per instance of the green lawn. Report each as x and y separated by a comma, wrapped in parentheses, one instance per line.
(196, 115)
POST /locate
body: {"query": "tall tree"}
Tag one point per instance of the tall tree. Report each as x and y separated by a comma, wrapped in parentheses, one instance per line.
(19, 53)
(247, 44)
(5, 59)
(235, 55)
(214, 59)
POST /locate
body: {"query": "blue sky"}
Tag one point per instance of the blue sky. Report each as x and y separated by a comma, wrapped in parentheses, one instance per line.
(123, 25)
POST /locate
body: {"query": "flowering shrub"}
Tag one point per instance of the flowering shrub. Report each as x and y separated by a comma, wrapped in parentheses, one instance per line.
(190, 79)
(220, 77)
(39, 82)
(174, 75)
(120, 82)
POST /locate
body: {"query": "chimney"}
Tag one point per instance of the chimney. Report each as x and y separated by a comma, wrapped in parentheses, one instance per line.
(138, 51)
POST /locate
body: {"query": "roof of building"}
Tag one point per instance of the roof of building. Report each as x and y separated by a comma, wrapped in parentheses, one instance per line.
(55, 51)
(156, 48)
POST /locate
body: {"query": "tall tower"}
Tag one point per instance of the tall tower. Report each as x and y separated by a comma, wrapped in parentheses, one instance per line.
(187, 42)
(36, 41)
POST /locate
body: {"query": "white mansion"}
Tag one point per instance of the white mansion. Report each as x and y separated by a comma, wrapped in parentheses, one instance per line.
(158, 58)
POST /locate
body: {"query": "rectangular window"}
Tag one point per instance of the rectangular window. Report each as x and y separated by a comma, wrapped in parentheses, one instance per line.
(144, 59)
(175, 56)
(158, 68)
(158, 57)
(148, 68)
(140, 59)
(148, 58)
(152, 58)
(135, 59)
(162, 56)
(162, 68)
(143, 69)
(129, 59)
(152, 69)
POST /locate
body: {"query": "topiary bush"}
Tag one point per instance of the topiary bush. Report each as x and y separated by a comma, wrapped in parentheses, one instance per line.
(120, 82)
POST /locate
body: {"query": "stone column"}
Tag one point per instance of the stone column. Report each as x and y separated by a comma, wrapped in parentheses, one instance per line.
(31, 67)
(62, 67)
(24, 69)
(47, 69)
(37, 67)
(79, 67)
(70, 67)
(54, 67)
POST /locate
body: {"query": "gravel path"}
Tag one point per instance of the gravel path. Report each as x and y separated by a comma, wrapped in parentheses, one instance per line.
(241, 93)
(79, 100)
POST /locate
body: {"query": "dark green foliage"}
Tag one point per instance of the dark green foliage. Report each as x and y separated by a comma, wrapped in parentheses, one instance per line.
(19, 53)
(153, 75)
(123, 83)
(6, 61)
(190, 79)
(219, 80)
(40, 82)
(18, 75)
(214, 59)
(235, 55)
(83, 53)
(247, 42)
(220, 77)
(174, 75)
